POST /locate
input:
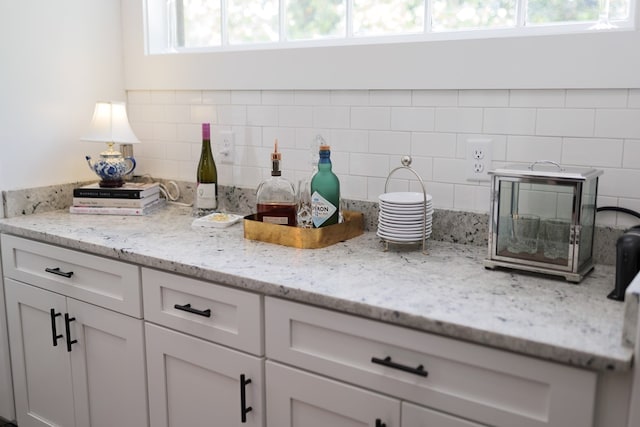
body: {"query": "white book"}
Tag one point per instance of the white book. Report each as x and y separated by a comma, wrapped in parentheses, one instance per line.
(106, 210)
(115, 203)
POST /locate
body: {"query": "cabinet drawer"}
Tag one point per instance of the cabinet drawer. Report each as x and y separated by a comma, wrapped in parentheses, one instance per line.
(216, 313)
(101, 281)
(486, 385)
(300, 399)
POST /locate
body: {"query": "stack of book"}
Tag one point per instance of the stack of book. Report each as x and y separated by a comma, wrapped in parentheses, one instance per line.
(130, 199)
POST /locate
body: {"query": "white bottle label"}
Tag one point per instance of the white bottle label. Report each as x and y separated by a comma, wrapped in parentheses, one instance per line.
(206, 196)
(321, 209)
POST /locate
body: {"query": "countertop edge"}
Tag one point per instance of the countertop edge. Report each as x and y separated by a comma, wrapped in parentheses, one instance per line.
(576, 358)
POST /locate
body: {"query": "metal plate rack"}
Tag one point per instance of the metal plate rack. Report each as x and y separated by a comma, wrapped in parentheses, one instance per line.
(406, 164)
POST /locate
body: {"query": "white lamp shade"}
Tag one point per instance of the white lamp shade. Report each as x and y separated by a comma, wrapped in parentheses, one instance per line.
(110, 124)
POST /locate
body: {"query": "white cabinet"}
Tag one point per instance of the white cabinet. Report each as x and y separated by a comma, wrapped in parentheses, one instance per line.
(7, 408)
(300, 399)
(468, 381)
(193, 379)
(74, 364)
(193, 382)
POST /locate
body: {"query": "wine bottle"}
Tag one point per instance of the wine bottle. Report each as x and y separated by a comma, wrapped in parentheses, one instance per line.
(325, 192)
(276, 196)
(207, 176)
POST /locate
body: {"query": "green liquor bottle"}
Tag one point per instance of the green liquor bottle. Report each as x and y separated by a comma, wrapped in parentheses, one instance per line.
(325, 192)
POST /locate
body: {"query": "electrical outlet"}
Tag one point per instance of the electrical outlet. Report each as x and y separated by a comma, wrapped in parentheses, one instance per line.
(227, 146)
(479, 159)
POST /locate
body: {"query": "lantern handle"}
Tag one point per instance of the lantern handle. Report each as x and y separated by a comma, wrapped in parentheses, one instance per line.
(549, 162)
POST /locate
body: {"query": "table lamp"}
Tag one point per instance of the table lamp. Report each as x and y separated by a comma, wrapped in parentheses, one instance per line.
(110, 125)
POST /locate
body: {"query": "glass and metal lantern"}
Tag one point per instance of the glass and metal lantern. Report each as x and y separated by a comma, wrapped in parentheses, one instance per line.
(542, 219)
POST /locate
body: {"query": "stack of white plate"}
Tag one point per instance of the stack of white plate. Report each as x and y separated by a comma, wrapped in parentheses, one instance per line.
(402, 217)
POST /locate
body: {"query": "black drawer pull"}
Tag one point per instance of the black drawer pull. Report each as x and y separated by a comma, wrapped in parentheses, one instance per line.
(58, 272)
(379, 423)
(243, 398)
(54, 332)
(187, 307)
(67, 321)
(389, 363)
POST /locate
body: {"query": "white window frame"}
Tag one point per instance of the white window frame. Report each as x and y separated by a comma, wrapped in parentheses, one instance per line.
(531, 60)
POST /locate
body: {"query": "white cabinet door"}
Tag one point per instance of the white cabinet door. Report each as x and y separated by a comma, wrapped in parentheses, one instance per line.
(417, 416)
(7, 408)
(41, 371)
(108, 367)
(93, 376)
(300, 399)
(195, 383)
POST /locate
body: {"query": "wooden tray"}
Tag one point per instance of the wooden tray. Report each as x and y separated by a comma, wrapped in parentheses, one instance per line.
(304, 238)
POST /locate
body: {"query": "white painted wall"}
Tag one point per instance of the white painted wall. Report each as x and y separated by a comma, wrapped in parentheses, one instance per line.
(57, 59)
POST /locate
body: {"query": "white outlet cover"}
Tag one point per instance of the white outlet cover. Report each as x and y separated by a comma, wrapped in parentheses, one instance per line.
(478, 159)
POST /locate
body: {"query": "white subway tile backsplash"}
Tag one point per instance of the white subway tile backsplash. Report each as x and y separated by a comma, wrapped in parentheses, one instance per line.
(262, 115)
(433, 144)
(353, 187)
(369, 131)
(390, 97)
(295, 116)
(412, 118)
(232, 114)
(312, 97)
(550, 98)
(332, 117)
(631, 155)
(471, 198)
(163, 97)
(565, 122)
(398, 143)
(188, 97)
(592, 152)
(449, 170)
(617, 123)
(442, 193)
(277, 97)
(165, 131)
(177, 113)
(464, 120)
(619, 183)
(634, 98)
(138, 97)
(248, 97)
(349, 97)
(483, 98)
(515, 121)
(353, 141)
(378, 118)
(596, 98)
(216, 97)
(435, 98)
(529, 149)
(286, 137)
(203, 114)
(364, 164)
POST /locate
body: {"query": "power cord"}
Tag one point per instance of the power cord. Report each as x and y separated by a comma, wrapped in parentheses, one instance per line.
(170, 190)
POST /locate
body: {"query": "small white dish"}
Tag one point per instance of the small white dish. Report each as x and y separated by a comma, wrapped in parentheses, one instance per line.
(404, 198)
(217, 220)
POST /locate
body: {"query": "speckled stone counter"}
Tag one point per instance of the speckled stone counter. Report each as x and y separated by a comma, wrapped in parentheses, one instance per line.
(447, 292)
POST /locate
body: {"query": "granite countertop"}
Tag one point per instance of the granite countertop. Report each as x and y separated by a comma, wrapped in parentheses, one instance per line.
(447, 291)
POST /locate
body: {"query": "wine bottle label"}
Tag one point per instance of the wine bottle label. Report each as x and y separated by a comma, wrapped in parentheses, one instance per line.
(321, 209)
(206, 196)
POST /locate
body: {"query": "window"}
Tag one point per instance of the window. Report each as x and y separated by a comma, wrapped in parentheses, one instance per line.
(184, 25)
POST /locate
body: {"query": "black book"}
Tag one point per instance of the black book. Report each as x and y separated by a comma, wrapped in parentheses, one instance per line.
(130, 190)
